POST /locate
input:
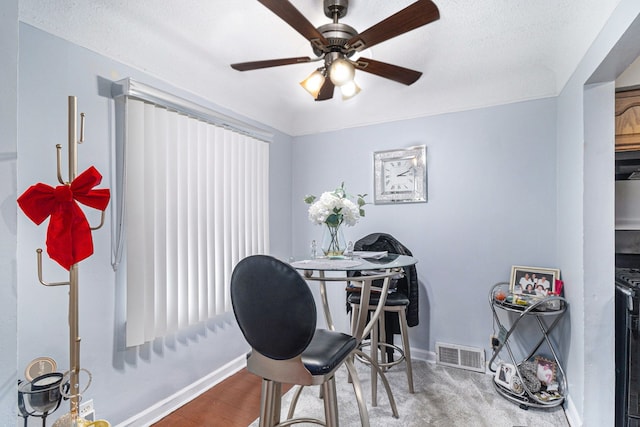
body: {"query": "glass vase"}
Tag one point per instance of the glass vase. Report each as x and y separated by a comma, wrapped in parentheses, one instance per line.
(333, 242)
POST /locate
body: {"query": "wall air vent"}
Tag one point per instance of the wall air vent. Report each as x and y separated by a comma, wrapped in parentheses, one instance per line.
(457, 356)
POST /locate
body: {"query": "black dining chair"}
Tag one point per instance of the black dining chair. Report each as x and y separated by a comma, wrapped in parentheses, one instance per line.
(276, 312)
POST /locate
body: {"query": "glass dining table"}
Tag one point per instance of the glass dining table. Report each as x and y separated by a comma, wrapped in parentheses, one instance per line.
(361, 272)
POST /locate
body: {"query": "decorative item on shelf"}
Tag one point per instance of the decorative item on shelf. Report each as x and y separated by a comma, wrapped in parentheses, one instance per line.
(334, 209)
(528, 372)
(500, 295)
(533, 281)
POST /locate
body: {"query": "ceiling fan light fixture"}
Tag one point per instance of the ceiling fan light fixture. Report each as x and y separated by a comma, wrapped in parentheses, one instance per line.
(314, 82)
(349, 90)
(341, 72)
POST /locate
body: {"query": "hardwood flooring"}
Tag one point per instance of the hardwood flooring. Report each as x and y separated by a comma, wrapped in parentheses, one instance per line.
(235, 402)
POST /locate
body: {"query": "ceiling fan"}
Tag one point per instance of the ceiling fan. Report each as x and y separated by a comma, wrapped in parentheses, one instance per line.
(336, 42)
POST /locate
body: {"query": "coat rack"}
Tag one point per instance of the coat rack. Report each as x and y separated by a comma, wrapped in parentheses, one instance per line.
(73, 375)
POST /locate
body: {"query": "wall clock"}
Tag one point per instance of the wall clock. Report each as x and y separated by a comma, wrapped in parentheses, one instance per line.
(400, 176)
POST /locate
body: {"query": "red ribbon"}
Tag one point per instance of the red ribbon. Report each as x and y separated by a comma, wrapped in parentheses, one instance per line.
(69, 235)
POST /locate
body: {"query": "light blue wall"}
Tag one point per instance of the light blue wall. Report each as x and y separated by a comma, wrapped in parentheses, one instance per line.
(125, 381)
(492, 205)
(487, 168)
(586, 214)
(8, 138)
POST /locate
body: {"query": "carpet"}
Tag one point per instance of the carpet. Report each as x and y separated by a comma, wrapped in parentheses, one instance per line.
(444, 397)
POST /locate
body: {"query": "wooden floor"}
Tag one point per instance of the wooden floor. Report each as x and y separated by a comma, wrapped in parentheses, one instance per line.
(235, 402)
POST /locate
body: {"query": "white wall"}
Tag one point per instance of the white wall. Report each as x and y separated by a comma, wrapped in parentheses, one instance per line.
(630, 78)
(492, 205)
(8, 286)
(586, 215)
(125, 381)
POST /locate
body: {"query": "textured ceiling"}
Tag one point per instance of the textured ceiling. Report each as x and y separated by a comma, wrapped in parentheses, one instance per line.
(480, 53)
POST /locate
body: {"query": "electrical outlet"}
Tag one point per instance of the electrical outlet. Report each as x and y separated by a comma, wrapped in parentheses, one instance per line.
(495, 341)
(86, 410)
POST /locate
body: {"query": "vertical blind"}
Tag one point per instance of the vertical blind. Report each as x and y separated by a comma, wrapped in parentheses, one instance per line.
(195, 203)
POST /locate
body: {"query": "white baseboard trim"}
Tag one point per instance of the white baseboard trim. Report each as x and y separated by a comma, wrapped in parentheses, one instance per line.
(572, 414)
(419, 354)
(187, 394)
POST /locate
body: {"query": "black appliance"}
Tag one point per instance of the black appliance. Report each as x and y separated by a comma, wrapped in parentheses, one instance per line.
(627, 331)
(627, 347)
(627, 165)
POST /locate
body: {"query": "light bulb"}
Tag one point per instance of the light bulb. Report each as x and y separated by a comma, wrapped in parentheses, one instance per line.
(349, 90)
(341, 72)
(313, 83)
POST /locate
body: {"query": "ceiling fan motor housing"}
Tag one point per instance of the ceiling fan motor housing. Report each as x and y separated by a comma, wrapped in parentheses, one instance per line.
(337, 34)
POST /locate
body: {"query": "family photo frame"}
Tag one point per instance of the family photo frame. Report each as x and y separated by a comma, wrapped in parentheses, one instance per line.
(504, 375)
(534, 281)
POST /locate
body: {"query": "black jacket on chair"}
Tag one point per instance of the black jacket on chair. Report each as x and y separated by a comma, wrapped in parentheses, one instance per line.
(408, 284)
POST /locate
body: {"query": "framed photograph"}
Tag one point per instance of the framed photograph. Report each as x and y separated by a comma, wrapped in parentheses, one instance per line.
(505, 374)
(546, 370)
(533, 281)
(400, 176)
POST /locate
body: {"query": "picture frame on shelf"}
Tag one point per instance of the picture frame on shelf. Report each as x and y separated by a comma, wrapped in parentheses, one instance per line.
(546, 370)
(504, 375)
(533, 281)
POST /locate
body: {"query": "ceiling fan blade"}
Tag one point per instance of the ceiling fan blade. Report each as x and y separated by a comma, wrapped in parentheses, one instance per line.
(254, 65)
(388, 71)
(292, 16)
(326, 91)
(413, 16)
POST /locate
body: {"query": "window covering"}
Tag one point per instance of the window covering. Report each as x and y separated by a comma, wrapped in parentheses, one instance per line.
(195, 202)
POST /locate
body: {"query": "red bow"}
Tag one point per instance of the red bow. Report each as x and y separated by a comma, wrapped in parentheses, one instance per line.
(69, 235)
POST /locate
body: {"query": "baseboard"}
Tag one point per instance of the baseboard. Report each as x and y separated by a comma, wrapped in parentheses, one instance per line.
(572, 414)
(181, 397)
(419, 354)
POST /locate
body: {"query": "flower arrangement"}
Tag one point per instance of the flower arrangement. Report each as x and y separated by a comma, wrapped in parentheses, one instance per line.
(333, 209)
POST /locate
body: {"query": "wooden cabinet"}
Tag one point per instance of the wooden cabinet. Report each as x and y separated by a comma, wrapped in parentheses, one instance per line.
(628, 120)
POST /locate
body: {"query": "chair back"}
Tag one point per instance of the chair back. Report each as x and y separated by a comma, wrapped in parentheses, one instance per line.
(274, 306)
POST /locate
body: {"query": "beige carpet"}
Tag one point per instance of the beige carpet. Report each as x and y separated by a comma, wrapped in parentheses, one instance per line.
(444, 397)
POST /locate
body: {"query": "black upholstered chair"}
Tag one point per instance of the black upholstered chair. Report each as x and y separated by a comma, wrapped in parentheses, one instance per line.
(276, 312)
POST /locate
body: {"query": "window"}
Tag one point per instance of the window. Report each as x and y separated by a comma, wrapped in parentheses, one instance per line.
(195, 202)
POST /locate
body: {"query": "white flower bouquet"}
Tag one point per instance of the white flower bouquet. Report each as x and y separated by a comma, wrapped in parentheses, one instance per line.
(333, 209)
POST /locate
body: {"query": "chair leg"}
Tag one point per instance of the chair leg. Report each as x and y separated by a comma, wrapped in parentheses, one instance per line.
(357, 389)
(270, 399)
(382, 337)
(330, 402)
(355, 311)
(404, 331)
(374, 357)
(294, 401)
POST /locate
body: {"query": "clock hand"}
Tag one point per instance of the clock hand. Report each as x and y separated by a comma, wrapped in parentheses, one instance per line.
(404, 173)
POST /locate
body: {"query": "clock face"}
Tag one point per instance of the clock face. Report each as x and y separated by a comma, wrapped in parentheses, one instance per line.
(400, 176)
